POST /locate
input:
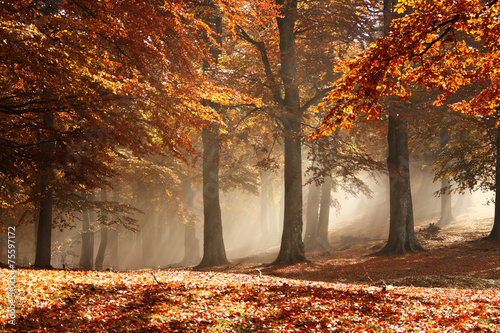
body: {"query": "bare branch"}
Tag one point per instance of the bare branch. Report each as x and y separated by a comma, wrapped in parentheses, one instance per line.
(267, 65)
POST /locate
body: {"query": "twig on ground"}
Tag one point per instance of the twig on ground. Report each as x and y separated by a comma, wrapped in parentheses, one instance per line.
(368, 275)
(154, 277)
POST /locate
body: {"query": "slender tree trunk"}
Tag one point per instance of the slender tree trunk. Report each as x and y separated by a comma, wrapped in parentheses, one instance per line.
(3, 237)
(113, 237)
(272, 210)
(324, 214)
(446, 212)
(191, 242)
(93, 221)
(148, 240)
(87, 251)
(292, 247)
(281, 213)
(44, 232)
(113, 248)
(101, 252)
(312, 216)
(265, 203)
(495, 231)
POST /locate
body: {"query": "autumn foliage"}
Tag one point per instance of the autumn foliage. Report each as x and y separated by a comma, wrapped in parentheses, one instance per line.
(114, 83)
(443, 46)
(170, 301)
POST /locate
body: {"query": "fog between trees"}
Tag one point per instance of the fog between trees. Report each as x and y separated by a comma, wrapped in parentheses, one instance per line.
(159, 243)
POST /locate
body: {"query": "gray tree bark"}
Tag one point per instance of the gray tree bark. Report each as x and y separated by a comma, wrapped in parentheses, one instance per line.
(446, 211)
(292, 247)
(495, 231)
(324, 214)
(191, 242)
(44, 231)
(214, 251)
(265, 202)
(87, 250)
(101, 252)
(113, 237)
(312, 216)
(148, 238)
(401, 228)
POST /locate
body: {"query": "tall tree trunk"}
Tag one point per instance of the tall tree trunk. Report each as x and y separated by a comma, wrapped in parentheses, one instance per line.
(148, 239)
(265, 202)
(214, 252)
(191, 242)
(495, 231)
(273, 208)
(113, 248)
(44, 232)
(281, 213)
(312, 216)
(93, 221)
(401, 229)
(324, 214)
(292, 247)
(3, 237)
(101, 252)
(113, 237)
(446, 212)
(87, 251)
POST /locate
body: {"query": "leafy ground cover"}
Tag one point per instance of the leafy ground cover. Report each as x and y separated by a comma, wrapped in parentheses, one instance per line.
(454, 258)
(452, 287)
(175, 301)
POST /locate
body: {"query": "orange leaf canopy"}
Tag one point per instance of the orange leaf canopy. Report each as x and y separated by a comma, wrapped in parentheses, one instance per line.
(116, 75)
(443, 45)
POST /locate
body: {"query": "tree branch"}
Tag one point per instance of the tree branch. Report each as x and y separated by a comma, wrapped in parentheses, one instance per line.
(267, 65)
(249, 113)
(315, 99)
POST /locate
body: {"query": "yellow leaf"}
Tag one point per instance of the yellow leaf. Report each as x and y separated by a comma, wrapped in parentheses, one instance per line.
(399, 8)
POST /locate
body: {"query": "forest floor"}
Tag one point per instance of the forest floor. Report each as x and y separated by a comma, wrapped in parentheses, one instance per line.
(453, 257)
(361, 293)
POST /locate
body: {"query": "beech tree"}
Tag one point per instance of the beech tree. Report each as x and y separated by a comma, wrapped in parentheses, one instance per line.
(214, 252)
(153, 185)
(294, 54)
(292, 247)
(338, 161)
(401, 225)
(469, 158)
(191, 242)
(424, 47)
(104, 80)
(87, 249)
(103, 244)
